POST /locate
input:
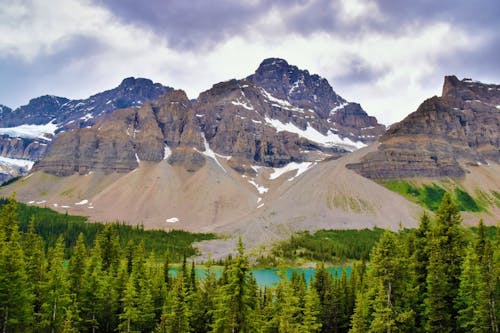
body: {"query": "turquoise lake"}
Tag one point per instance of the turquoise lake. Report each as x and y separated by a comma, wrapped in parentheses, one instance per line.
(270, 278)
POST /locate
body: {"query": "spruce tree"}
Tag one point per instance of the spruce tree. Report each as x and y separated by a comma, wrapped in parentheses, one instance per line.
(311, 322)
(129, 315)
(419, 265)
(234, 310)
(57, 297)
(390, 287)
(445, 263)
(468, 302)
(16, 297)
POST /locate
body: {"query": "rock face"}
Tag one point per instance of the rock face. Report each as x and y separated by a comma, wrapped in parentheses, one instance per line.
(126, 137)
(61, 115)
(314, 93)
(276, 116)
(80, 113)
(463, 125)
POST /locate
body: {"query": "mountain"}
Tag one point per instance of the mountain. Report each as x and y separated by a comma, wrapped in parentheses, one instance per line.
(275, 152)
(26, 132)
(238, 119)
(69, 114)
(462, 127)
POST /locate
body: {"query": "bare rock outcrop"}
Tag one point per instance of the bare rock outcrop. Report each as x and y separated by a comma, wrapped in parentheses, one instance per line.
(463, 125)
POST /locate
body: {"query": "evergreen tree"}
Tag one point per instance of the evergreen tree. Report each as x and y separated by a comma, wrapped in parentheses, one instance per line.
(289, 320)
(390, 285)
(57, 298)
(201, 318)
(311, 322)
(360, 319)
(445, 263)
(68, 323)
(234, 309)
(489, 282)
(36, 265)
(469, 317)
(130, 314)
(76, 268)
(419, 265)
(110, 246)
(16, 308)
(178, 319)
(323, 283)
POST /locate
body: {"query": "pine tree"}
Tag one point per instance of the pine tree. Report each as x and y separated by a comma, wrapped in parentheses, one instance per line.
(323, 283)
(130, 314)
(201, 318)
(487, 312)
(109, 243)
(419, 265)
(91, 291)
(390, 285)
(57, 298)
(289, 309)
(311, 322)
(76, 268)
(178, 319)
(360, 318)
(16, 308)
(68, 323)
(468, 294)
(234, 311)
(445, 262)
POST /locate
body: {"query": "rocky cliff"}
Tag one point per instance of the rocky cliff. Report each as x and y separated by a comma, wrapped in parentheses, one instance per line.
(278, 115)
(68, 114)
(26, 132)
(461, 126)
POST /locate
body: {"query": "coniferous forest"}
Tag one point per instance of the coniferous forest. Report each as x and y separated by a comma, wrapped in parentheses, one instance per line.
(440, 277)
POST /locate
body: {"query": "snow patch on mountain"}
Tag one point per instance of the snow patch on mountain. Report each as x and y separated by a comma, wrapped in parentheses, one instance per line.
(14, 162)
(311, 134)
(167, 152)
(209, 152)
(242, 104)
(261, 189)
(281, 103)
(293, 166)
(339, 107)
(30, 131)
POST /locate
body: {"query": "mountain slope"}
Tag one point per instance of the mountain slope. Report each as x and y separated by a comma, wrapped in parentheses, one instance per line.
(238, 119)
(26, 132)
(460, 127)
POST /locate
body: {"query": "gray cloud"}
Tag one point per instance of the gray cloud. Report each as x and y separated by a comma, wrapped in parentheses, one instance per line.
(192, 24)
(358, 72)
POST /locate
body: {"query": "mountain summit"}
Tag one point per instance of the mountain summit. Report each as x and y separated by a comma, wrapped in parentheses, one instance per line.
(276, 116)
(460, 127)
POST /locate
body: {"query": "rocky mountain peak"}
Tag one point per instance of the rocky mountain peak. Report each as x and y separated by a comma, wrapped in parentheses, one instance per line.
(461, 126)
(302, 89)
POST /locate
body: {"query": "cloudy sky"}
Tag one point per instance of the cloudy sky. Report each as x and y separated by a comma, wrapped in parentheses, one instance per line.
(388, 55)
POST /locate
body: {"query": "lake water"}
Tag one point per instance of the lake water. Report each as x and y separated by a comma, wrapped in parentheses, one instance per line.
(269, 277)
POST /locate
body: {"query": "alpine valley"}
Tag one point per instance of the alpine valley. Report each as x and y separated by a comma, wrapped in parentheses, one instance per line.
(275, 152)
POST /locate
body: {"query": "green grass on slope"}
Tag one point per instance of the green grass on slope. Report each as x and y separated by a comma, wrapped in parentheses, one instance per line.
(50, 225)
(335, 246)
(430, 196)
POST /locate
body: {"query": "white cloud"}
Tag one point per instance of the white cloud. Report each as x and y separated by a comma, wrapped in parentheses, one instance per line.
(407, 60)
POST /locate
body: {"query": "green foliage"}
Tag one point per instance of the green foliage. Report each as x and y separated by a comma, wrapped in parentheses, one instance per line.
(466, 202)
(329, 245)
(437, 278)
(429, 196)
(51, 225)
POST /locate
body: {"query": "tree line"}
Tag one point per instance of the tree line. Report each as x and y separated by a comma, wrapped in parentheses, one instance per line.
(436, 278)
